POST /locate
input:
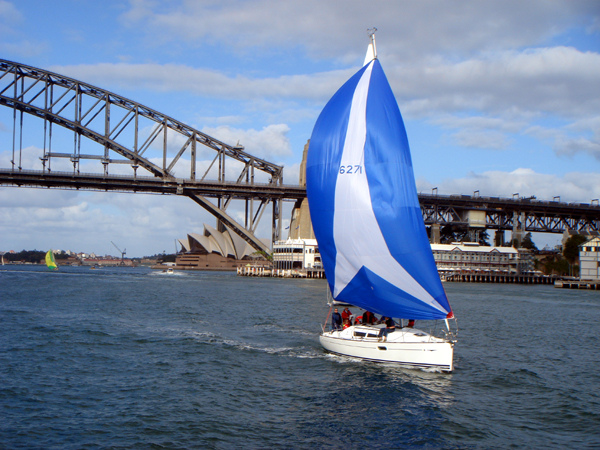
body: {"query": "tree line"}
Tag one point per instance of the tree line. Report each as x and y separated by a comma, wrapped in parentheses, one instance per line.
(565, 263)
(31, 256)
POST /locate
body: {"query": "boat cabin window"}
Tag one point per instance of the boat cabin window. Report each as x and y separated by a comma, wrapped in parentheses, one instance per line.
(365, 334)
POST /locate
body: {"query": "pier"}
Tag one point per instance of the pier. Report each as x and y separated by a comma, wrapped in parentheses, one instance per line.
(578, 284)
(463, 277)
(503, 278)
(262, 271)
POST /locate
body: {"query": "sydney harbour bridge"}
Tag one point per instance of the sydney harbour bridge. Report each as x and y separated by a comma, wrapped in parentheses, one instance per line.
(68, 134)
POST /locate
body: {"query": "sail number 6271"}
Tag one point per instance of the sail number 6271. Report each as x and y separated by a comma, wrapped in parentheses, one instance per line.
(350, 169)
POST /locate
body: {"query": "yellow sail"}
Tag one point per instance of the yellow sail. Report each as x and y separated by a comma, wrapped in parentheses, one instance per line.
(50, 262)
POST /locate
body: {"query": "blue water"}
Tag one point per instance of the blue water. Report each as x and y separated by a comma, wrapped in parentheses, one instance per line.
(132, 358)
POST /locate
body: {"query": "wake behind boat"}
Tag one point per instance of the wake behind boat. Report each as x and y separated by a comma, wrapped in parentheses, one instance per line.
(369, 226)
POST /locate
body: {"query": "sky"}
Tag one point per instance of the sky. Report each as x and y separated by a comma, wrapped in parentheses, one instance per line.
(500, 97)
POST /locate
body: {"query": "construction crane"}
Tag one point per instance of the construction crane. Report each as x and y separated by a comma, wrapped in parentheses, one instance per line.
(122, 253)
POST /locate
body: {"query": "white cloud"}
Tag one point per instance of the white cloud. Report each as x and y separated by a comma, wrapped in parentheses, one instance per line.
(567, 146)
(578, 137)
(557, 81)
(291, 174)
(550, 80)
(13, 39)
(493, 140)
(205, 82)
(480, 132)
(509, 92)
(34, 198)
(9, 14)
(88, 221)
(572, 187)
(324, 29)
(270, 142)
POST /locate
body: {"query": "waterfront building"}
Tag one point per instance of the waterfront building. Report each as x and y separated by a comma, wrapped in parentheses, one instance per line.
(296, 254)
(589, 260)
(526, 262)
(470, 256)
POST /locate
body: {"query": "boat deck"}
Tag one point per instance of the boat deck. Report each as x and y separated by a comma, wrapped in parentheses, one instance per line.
(372, 333)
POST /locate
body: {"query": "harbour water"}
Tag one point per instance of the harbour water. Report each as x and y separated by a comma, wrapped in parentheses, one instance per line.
(132, 358)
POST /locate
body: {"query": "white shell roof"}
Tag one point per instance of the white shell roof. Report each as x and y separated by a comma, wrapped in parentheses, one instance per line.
(226, 243)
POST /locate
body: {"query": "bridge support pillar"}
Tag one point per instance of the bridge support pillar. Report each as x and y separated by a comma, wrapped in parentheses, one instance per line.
(435, 233)
(518, 228)
(499, 240)
(277, 223)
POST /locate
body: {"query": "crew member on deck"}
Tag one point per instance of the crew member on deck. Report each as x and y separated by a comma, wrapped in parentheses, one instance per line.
(369, 318)
(336, 320)
(411, 323)
(347, 315)
(390, 327)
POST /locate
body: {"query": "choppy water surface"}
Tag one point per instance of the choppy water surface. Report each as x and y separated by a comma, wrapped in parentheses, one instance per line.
(131, 358)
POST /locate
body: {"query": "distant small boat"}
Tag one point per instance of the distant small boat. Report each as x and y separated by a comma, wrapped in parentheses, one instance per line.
(50, 261)
(169, 271)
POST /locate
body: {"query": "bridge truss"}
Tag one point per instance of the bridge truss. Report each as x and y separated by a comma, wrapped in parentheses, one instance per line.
(92, 137)
(518, 214)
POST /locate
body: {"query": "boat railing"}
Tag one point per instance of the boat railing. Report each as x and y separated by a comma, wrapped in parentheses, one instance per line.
(435, 329)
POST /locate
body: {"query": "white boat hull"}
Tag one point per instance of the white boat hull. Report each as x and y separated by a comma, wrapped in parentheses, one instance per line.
(407, 347)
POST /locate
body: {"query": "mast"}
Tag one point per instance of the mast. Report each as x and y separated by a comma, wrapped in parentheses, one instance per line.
(371, 49)
(371, 32)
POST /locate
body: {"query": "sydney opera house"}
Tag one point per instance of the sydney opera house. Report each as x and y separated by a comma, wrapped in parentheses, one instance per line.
(215, 250)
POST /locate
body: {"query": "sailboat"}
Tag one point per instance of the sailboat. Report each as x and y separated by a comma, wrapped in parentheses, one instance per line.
(369, 227)
(50, 262)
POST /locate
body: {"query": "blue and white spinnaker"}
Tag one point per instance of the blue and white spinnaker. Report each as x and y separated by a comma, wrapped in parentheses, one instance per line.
(364, 205)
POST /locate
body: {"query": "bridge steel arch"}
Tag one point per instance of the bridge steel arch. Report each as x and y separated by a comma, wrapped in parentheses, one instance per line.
(125, 136)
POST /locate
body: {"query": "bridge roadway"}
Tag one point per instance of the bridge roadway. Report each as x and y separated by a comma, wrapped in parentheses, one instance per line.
(124, 183)
(461, 211)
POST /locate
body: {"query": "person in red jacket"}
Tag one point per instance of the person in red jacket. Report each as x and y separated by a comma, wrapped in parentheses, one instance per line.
(369, 318)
